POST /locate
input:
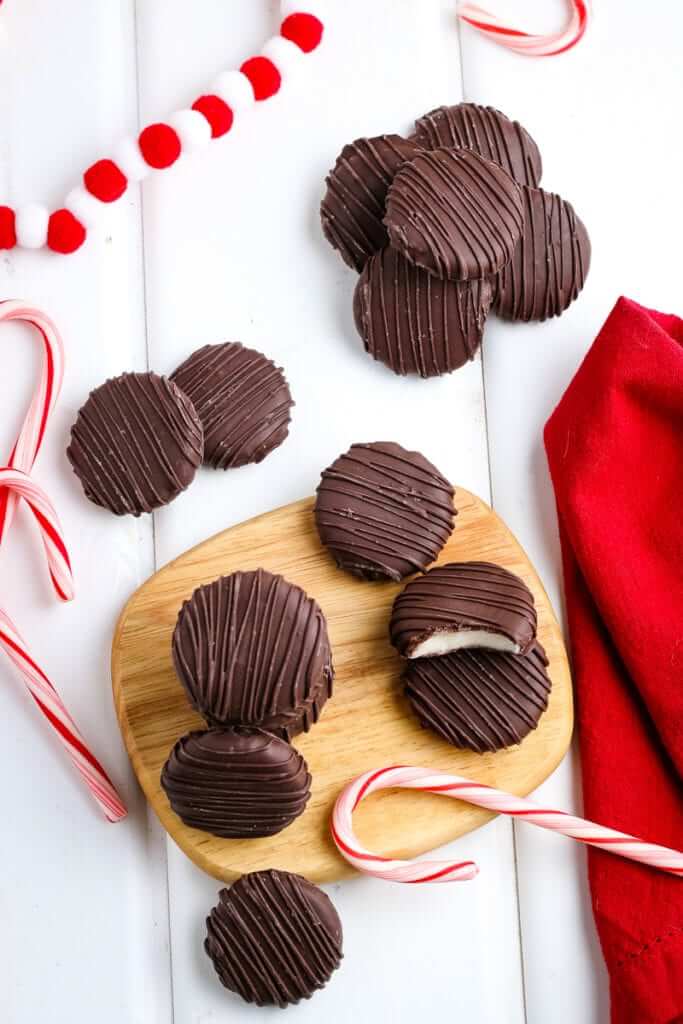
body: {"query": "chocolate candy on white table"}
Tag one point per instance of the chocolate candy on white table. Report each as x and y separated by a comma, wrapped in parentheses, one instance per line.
(416, 323)
(274, 938)
(136, 443)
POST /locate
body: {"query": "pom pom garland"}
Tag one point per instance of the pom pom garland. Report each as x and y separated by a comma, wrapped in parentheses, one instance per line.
(160, 145)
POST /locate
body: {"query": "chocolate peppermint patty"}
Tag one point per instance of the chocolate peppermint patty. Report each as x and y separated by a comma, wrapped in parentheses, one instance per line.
(483, 700)
(274, 938)
(136, 443)
(236, 783)
(383, 512)
(352, 209)
(455, 214)
(549, 265)
(242, 399)
(414, 322)
(485, 131)
(463, 604)
(252, 649)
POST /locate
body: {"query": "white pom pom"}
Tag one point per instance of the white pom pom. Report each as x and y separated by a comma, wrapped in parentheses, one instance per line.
(285, 55)
(129, 159)
(31, 226)
(192, 128)
(235, 89)
(91, 212)
(316, 7)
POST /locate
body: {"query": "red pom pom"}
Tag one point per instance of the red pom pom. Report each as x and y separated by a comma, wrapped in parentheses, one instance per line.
(217, 113)
(159, 145)
(8, 235)
(105, 181)
(264, 76)
(64, 232)
(303, 29)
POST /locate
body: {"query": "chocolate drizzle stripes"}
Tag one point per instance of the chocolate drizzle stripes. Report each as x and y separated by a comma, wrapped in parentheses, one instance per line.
(270, 942)
(455, 214)
(252, 649)
(486, 131)
(550, 262)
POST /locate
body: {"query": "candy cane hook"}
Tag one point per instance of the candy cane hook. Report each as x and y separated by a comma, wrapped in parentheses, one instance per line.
(428, 781)
(15, 485)
(491, 26)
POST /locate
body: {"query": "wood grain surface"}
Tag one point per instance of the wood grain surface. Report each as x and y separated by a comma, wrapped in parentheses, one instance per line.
(366, 724)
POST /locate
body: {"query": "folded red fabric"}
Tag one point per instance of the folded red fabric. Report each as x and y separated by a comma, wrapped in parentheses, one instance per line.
(615, 450)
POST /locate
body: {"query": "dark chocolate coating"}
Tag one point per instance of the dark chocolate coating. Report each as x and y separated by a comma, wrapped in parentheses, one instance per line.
(242, 399)
(414, 322)
(550, 262)
(383, 512)
(235, 783)
(484, 700)
(274, 938)
(455, 214)
(352, 209)
(252, 649)
(487, 132)
(136, 443)
(462, 596)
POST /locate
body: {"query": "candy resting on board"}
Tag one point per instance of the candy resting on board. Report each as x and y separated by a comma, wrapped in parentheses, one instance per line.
(366, 722)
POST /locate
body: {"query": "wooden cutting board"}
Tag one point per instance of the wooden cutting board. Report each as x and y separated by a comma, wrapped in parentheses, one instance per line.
(366, 724)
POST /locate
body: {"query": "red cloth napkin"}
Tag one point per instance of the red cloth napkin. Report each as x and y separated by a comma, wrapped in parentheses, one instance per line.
(615, 449)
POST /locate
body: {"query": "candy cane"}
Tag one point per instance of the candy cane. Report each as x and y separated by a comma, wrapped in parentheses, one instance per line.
(15, 485)
(491, 26)
(425, 780)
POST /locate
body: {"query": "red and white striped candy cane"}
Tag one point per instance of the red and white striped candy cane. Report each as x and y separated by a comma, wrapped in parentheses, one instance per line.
(428, 781)
(491, 26)
(15, 485)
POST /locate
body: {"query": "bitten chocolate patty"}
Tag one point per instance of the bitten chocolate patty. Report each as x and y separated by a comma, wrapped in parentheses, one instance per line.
(136, 443)
(484, 700)
(252, 649)
(550, 262)
(485, 131)
(414, 322)
(383, 512)
(274, 938)
(242, 399)
(236, 784)
(454, 213)
(353, 206)
(463, 604)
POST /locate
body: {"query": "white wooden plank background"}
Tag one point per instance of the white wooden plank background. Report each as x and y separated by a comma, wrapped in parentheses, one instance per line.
(228, 246)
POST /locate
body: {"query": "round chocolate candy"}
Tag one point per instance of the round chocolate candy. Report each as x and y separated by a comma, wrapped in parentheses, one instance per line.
(484, 700)
(485, 131)
(353, 206)
(235, 783)
(455, 214)
(414, 322)
(252, 649)
(463, 604)
(242, 399)
(136, 443)
(550, 262)
(383, 512)
(274, 938)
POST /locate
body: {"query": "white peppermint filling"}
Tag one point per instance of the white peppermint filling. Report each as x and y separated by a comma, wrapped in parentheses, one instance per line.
(445, 641)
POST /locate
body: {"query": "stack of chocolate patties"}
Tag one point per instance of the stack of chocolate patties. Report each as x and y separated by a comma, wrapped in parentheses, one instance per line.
(476, 673)
(444, 227)
(253, 653)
